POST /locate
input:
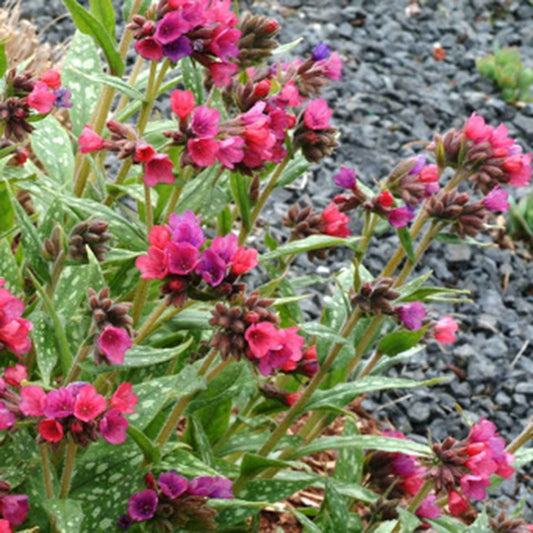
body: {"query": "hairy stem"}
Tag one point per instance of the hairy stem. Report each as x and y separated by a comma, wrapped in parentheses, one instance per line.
(68, 469)
(416, 501)
(47, 474)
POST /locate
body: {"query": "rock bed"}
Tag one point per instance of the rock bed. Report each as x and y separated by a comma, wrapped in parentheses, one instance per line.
(393, 93)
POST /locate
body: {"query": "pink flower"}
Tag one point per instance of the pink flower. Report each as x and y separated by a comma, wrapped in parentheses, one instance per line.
(14, 508)
(345, 178)
(474, 486)
(90, 141)
(182, 258)
(159, 237)
(284, 355)
(150, 49)
(225, 247)
(385, 199)
(204, 122)
(519, 168)
(412, 314)
(114, 343)
(429, 174)
(158, 170)
(33, 400)
(203, 151)
(399, 217)
(496, 200)
(224, 42)
(222, 73)
(41, 98)
(113, 427)
(317, 114)
(291, 398)
(51, 78)
(444, 330)
(182, 103)
(334, 222)
(89, 404)
(59, 403)
(15, 375)
(456, 503)
(153, 265)
(143, 153)
(289, 96)
(261, 338)
(171, 27)
(428, 508)
(499, 137)
(186, 228)
(172, 484)
(244, 260)
(211, 267)
(50, 430)
(230, 151)
(476, 130)
(13, 329)
(123, 399)
(7, 418)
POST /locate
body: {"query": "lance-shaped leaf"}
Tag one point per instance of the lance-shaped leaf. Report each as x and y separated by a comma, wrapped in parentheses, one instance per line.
(400, 341)
(141, 356)
(407, 243)
(66, 514)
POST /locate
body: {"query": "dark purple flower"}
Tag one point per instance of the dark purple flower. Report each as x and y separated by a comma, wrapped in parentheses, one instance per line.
(399, 217)
(59, 403)
(142, 505)
(345, 178)
(63, 96)
(124, 522)
(171, 27)
(178, 49)
(211, 267)
(186, 228)
(172, 484)
(412, 314)
(321, 51)
(419, 165)
(211, 487)
(182, 258)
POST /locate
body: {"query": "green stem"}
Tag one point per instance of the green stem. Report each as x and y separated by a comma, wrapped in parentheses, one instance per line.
(131, 82)
(176, 193)
(148, 207)
(140, 299)
(47, 474)
(75, 369)
(522, 439)
(416, 501)
(144, 331)
(263, 198)
(68, 469)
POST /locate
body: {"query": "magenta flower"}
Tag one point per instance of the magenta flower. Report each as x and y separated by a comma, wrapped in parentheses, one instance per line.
(90, 141)
(444, 330)
(496, 200)
(158, 170)
(499, 137)
(14, 508)
(211, 267)
(178, 49)
(333, 66)
(182, 103)
(412, 314)
(345, 178)
(399, 217)
(261, 338)
(142, 505)
(123, 399)
(476, 129)
(204, 122)
(159, 237)
(186, 228)
(172, 484)
(419, 164)
(317, 114)
(15, 375)
(114, 343)
(474, 486)
(89, 404)
(203, 151)
(59, 403)
(230, 151)
(33, 400)
(225, 247)
(519, 168)
(429, 174)
(153, 265)
(182, 258)
(171, 27)
(7, 418)
(211, 487)
(41, 98)
(113, 427)
(222, 73)
(244, 260)
(224, 42)
(149, 48)
(428, 508)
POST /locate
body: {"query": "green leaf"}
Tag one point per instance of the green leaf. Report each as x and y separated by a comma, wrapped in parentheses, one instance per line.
(128, 4)
(336, 508)
(400, 341)
(426, 293)
(67, 514)
(408, 520)
(89, 25)
(82, 56)
(151, 452)
(284, 48)
(313, 242)
(192, 78)
(349, 465)
(296, 168)
(446, 524)
(451, 238)
(53, 148)
(309, 525)
(239, 187)
(523, 457)
(116, 83)
(104, 12)
(481, 525)
(253, 464)
(45, 346)
(367, 442)
(3, 60)
(201, 442)
(407, 243)
(140, 356)
(9, 268)
(7, 214)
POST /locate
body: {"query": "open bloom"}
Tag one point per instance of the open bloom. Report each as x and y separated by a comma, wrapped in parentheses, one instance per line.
(334, 222)
(412, 314)
(496, 200)
(317, 114)
(114, 343)
(444, 330)
(14, 329)
(41, 98)
(90, 141)
(158, 170)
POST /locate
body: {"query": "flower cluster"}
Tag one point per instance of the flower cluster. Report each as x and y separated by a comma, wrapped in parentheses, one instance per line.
(13, 508)
(24, 93)
(205, 31)
(13, 328)
(173, 502)
(177, 255)
(79, 410)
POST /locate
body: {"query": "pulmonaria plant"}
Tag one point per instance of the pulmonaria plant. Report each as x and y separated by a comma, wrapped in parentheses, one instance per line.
(147, 303)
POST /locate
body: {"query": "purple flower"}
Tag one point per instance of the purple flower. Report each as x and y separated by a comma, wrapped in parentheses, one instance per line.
(142, 505)
(14, 508)
(178, 49)
(321, 51)
(399, 217)
(172, 485)
(496, 200)
(211, 487)
(204, 122)
(186, 228)
(412, 314)
(59, 403)
(63, 96)
(171, 27)
(182, 258)
(211, 267)
(345, 178)
(419, 165)
(124, 522)
(428, 508)
(225, 247)
(113, 427)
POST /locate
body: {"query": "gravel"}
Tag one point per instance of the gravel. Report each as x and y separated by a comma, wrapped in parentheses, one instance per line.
(394, 93)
